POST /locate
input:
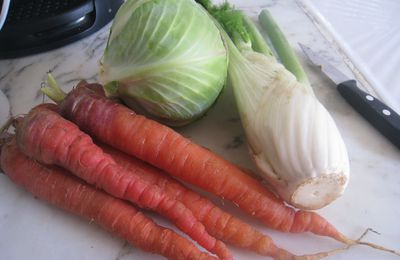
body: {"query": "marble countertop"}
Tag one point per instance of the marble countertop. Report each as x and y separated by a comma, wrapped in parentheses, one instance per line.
(32, 229)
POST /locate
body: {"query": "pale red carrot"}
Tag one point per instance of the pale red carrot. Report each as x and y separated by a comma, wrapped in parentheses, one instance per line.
(58, 187)
(217, 222)
(166, 149)
(47, 137)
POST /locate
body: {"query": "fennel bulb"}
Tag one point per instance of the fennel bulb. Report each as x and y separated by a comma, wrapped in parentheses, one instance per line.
(292, 138)
(165, 58)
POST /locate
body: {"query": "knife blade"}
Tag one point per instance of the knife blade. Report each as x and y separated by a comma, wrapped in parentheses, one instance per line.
(377, 113)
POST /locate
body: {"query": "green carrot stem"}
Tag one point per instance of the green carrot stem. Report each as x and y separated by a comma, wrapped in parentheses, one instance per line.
(53, 90)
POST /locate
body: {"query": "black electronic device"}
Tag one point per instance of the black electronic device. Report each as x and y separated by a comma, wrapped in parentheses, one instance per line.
(34, 26)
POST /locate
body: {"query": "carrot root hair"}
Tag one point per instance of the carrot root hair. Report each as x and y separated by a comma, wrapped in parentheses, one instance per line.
(369, 244)
(321, 255)
(349, 243)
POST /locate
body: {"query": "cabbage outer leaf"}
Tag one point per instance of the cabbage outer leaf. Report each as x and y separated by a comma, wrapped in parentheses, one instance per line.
(167, 56)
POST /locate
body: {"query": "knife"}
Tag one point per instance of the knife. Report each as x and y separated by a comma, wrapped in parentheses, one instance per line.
(378, 114)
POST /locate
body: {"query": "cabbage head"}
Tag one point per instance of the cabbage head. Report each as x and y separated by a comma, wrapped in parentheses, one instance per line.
(165, 57)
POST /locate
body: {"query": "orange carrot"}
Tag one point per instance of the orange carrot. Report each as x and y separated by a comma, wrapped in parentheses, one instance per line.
(47, 137)
(218, 223)
(166, 149)
(58, 187)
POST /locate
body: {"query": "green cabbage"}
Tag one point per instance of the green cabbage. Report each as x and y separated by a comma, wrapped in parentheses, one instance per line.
(166, 57)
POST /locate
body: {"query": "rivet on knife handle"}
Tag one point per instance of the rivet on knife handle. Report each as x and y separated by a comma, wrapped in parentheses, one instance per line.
(385, 119)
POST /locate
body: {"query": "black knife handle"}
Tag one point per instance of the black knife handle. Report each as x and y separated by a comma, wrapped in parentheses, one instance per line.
(382, 117)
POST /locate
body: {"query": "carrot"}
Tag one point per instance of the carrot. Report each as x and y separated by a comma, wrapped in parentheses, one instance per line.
(47, 137)
(60, 188)
(217, 222)
(166, 149)
(87, 106)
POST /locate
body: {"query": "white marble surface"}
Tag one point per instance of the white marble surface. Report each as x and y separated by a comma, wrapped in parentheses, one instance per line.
(31, 229)
(4, 108)
(364, 31)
